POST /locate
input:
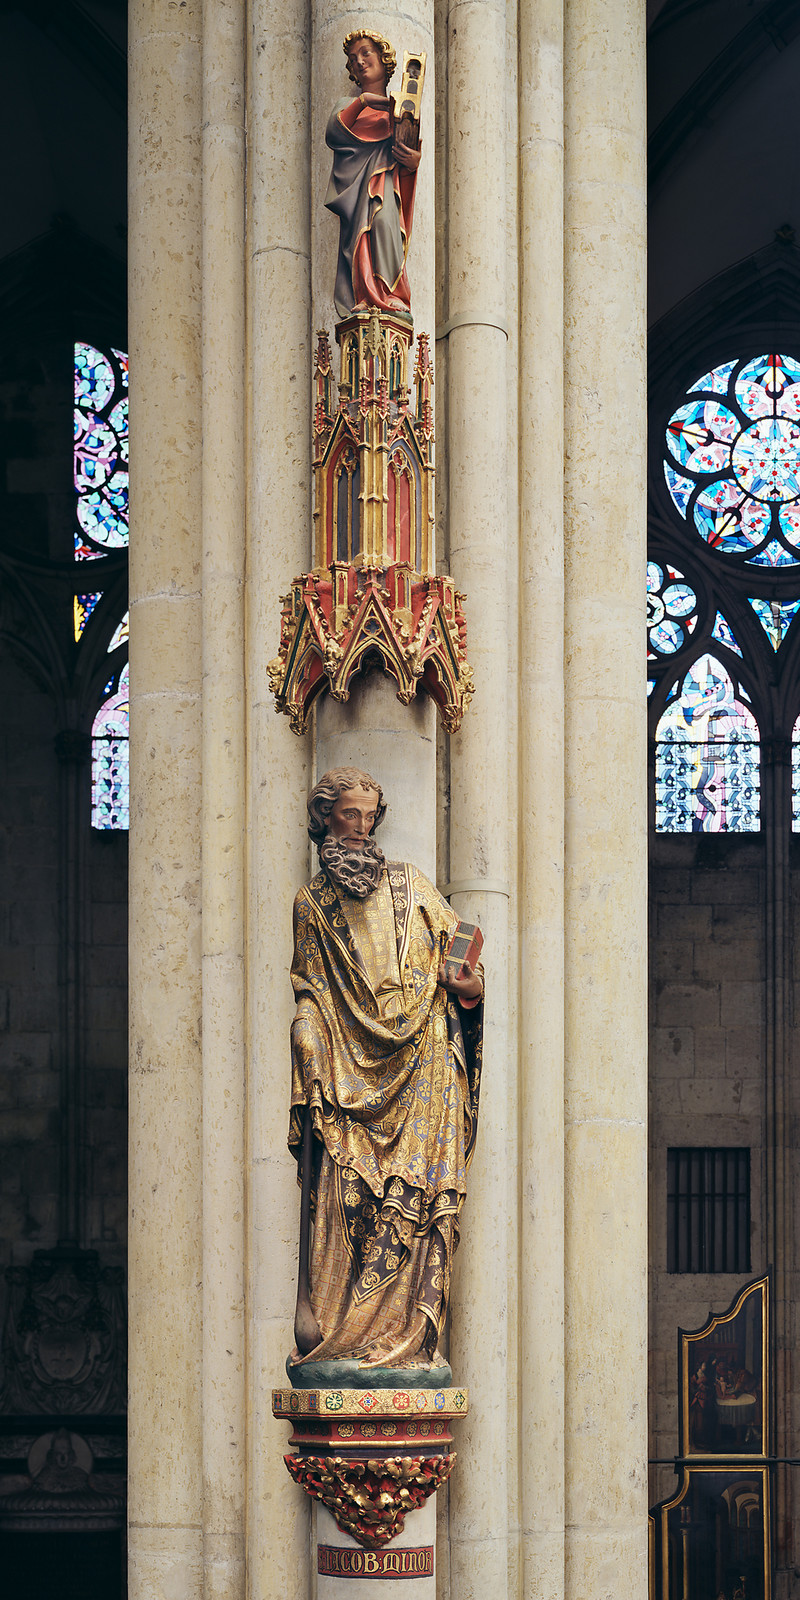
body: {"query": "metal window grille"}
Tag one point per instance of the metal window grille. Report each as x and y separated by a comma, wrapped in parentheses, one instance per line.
(708, 1210)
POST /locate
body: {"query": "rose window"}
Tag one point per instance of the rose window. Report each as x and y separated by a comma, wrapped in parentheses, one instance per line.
(733, 461)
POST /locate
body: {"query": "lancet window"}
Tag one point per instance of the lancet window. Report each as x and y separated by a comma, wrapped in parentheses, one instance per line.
(707, 755)
(101, 451)
(723, 593)
(110, 757)
(101, 490)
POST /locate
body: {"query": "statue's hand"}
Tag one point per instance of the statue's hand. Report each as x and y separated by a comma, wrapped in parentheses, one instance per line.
(406, 157)
(464, 983)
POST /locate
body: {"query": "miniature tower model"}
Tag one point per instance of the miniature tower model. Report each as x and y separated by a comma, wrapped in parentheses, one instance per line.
(372, 588)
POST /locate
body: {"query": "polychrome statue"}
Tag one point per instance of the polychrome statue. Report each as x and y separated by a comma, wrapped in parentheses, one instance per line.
(386, 1052)
(373, 181)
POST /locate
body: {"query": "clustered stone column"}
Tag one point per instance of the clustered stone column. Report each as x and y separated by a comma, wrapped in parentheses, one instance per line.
(166, 1199)
(231, 273)
(481, 762)
(605, 1099)
(278, 764)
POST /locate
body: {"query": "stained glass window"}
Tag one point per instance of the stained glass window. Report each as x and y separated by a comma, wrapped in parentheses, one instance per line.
(707, 756)
(120, 635)
(775, 617)
(101, 451)
(671, 610)
(110, 759)
(796, 777)
(723, 634)
(82, 608)
(732, 466)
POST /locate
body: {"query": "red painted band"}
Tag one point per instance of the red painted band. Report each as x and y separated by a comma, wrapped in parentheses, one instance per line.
(335, 1562)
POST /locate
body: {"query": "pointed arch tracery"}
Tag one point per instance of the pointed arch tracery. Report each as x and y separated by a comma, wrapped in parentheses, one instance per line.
(707, 755)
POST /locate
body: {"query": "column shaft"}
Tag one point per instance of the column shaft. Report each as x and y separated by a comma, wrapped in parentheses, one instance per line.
(606, 1041)
(165, 1454)
(478, 532)
(541, 679)
(223, 503)
(279, 544)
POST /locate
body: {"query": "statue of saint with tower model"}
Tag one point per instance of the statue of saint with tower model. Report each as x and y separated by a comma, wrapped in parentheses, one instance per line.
(376, 153)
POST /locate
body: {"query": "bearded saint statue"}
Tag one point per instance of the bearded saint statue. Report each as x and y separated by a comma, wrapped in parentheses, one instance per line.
(386, 1053)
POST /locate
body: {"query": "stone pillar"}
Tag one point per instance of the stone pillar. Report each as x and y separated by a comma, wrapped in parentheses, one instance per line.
(541, 710)
(606, 840)
(165, 1236)
(481, 780)
(223, 809)
(279, 525)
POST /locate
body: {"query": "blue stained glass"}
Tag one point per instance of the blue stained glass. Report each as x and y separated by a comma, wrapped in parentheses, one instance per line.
(744, 458)
(667, 637)
(651, 683)
(707, 757)
(775, 617)
(727, 520)
(766, 460)
(789, 519)
(101, 451)
(679, 487)
(769, 383)
(110, 806)
(679, 599)
(773, 555)
(723, 634)
(671, 613)
(94, 378)
(700, 435)
(717, 381)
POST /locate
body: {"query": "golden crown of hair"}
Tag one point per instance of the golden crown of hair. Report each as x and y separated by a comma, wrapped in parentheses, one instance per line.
(387, 50)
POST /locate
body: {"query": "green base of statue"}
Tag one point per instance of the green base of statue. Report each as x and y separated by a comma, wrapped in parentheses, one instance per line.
(351, 1375)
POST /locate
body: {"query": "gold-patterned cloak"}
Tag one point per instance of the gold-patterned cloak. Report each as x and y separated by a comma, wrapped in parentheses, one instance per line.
(389, 1064)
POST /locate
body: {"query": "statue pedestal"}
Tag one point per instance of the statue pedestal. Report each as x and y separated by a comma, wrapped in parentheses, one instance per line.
(372, 1459)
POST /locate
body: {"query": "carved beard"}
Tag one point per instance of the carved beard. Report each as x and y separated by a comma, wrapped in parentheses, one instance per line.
(356, 872)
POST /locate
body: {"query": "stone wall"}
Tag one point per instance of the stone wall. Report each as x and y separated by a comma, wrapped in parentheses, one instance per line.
(707, 1073)
(31, 1012)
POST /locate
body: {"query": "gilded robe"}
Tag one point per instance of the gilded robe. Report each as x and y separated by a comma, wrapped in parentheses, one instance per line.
(389, 1064)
